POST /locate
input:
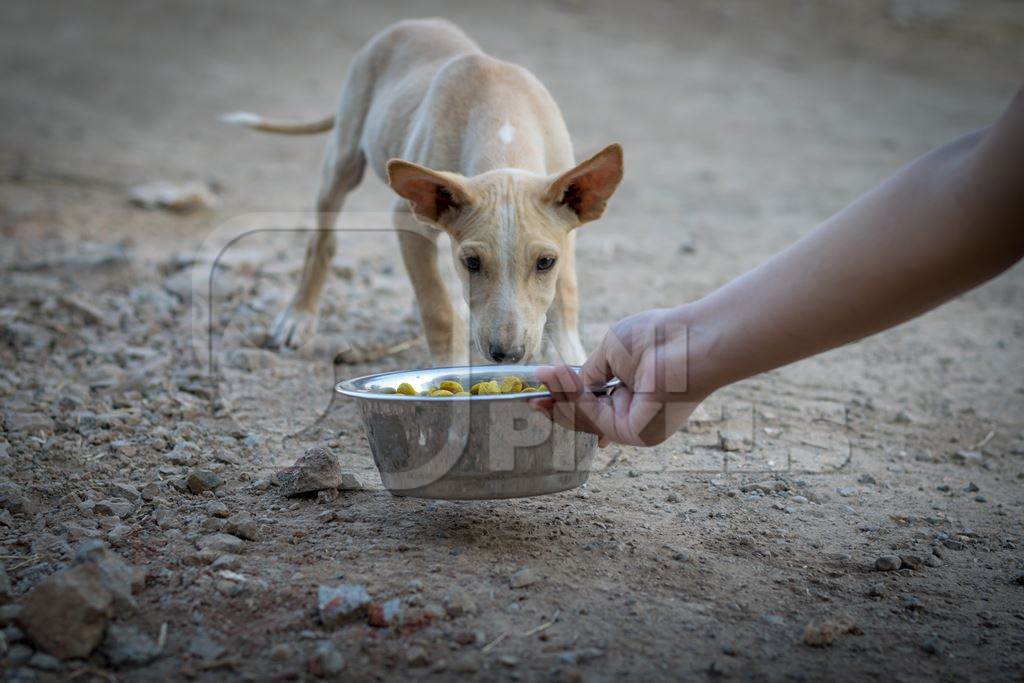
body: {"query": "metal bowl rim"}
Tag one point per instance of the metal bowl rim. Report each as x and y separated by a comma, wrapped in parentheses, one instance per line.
(348, 387)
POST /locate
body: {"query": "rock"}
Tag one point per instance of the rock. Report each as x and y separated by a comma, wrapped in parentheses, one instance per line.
(384, 614)
(150, 491)
(822, 633)
(183, 197)
(980, 499)
(968, 456)
(281, 652)
(911, 562)
(459, 603)
(339, 605)
(183, 453)
(687, 247)
(217, 509)
(126, 646)
(903, 417)
(953, 544)
(523, 578)
(221, 543)
(211, 525)
(203, 480)
(417, 656)
(766, 487)
(317, 470)
(971, 487)
(866, 479)
(888, 563)
(116, 507)
(226, 561)
(912, 603)
(1017, 578)
(510, 661)
(846, 491)
(327, 660)
(31, 423)
(933, 645)
(581, 656)
(66, 614)
(117, 576)
(45, 662)
(19, 653)
(681, 556)
(205, 647)
(5, 586)
(9, 613)
(243, 525)
(673, 497)
(166, 518)
(731, 441)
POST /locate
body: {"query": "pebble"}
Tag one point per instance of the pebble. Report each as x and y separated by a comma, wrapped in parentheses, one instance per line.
(45, 662)
(205, 647)
(581, 656)
(510, 661)
(888, 563)
(318, 469)
(243, 525)
(281, 652)
(221, 543)
(1017, 578)
(203, 480)
(687, 247)
(980, 499)
(126, 646)
(385, 613)
(731, 441)
(339, 605)
(417, 656)
(459, 603)
(866, 479)
(953, 544)
(971, 487)
(846, 491)
(933, 645)
(673, 498)
(911, 561)
(823, 633)
(217, 508)
(327, 660)
(226, 561)
(523, 578)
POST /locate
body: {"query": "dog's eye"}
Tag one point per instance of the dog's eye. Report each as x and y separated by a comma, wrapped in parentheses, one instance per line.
(545, 263)
(472, 264)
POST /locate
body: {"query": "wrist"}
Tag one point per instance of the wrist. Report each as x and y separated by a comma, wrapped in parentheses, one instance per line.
(693, 348)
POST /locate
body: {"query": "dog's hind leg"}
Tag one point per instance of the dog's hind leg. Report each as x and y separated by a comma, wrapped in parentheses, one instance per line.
(343, 167)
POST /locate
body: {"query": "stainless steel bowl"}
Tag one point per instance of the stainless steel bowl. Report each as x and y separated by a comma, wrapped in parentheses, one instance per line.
(467, 447)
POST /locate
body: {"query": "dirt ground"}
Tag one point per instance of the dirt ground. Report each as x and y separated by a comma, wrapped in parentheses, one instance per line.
(744, 124)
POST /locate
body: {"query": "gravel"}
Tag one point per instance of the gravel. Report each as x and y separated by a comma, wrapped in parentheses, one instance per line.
(888, 563)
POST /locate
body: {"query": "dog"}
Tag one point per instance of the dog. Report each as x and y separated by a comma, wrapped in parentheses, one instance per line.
(474, 147)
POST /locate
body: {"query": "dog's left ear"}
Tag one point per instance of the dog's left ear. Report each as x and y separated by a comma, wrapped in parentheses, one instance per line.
(435, 196)
(586, 188)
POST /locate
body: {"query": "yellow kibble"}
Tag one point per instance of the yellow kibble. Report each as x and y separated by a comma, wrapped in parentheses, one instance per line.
(450, 385)
(406, 389)
(542, 387)
(441, 392)
(528, 390)
(463, 393)
(384, 390)
(511, 385)
(488, 388)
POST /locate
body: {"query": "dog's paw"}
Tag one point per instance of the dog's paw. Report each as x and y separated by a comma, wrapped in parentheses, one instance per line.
(292, 329)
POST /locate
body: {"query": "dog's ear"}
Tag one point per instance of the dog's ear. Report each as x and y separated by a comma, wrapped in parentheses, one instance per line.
(435, 196)
(586, 188)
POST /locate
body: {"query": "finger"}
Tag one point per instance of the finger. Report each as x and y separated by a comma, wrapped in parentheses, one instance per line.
(563, 382)
(597, 369)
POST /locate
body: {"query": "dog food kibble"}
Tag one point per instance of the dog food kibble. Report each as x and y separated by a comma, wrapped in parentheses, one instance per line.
(449, 387)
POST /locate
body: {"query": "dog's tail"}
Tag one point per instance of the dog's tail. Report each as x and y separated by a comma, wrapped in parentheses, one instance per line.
(257, 122)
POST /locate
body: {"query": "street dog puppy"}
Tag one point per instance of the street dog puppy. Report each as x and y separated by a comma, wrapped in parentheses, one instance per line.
(477, 148)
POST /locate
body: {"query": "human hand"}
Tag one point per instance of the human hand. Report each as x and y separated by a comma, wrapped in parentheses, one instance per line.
(648, 352)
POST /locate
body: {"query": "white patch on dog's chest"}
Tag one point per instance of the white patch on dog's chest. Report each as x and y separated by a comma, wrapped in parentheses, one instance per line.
(507, 133)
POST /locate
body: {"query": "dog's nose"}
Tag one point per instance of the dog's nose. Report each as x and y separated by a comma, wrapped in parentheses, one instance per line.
(502, 355)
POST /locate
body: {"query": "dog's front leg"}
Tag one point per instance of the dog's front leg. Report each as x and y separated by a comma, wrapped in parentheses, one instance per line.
(442, 325)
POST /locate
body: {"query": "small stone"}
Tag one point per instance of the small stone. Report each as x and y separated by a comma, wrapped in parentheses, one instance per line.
(459, 603)
(281, 652)
(911, 562)
(681, 556)
(45, 662)
(1017, 578)
(327, 662)
(179, 197)
(32, 423)
(866, 479)
(942, 487)
(953, 544)
(205, 647)
(126, 646)
(687, 247)
(221, 543)
(933, 645)
(912, 603)
(523, 578)
(823, 633)
(980, 499)
(384, 614)
(203, 480)
(339, 605)
(509, 661)
(150, 491)
(318, 469)
(673, 497)
(581, 656)
(417, 656)
(66, 614)
(968, 456)
(19, 653)
(903, 417)
(217, 508)
(971, 487)
(731, 441)
(888, 563)
(183, 453)
(243, 525)
(226, 561)
(846, 491)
